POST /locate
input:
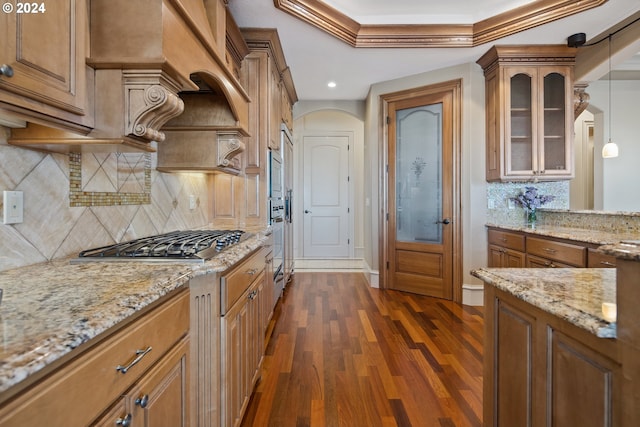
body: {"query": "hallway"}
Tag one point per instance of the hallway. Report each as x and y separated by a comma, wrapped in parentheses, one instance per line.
(345, 354)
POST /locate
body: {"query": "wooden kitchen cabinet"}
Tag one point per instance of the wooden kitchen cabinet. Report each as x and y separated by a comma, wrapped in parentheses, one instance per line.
(596, 259)
(561, 253)
(242, 335)
(46, 51)
(529, 112)
(159, 398)
(94, 382)
(267, 80)
(506, 249)
(541, 370)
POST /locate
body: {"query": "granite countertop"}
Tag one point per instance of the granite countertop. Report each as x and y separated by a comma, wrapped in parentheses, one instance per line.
(626, 249)
(51, 308)
(573, 294)
(578, 234)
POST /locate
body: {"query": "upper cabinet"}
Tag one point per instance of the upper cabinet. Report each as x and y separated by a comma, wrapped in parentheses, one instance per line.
(42, 55)
(529, 112)
(274, 82)
(136, 60)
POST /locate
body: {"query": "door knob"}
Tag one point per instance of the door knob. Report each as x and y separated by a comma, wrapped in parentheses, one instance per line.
(444, 221)
(307, 211)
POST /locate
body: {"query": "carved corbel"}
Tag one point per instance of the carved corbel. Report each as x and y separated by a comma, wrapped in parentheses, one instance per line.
(149, 104)
(228, 148)
(580, 100)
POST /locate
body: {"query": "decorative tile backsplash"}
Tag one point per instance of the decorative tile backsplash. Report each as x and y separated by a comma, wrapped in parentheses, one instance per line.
(498, 195)
(52, 228)
(109, 179)
(556, 213)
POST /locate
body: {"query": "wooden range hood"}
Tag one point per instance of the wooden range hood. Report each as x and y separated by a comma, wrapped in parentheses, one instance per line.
(204, 138)
(144, 53)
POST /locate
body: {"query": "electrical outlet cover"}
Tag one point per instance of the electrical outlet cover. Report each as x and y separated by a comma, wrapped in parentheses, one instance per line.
(12, 207)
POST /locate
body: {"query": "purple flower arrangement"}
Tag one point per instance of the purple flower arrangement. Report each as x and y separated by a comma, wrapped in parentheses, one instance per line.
(531, 200)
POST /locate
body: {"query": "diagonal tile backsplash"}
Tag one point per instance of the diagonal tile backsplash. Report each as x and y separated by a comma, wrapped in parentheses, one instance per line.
(52, 229)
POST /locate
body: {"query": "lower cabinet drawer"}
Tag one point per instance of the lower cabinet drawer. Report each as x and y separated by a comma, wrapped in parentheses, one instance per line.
(83, 388)
(537, 262)
(596, 259)
(574, 255)
(238, 280)
(506, 239)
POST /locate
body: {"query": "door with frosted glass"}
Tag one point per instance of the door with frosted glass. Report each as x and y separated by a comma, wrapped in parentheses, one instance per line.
(420, 195)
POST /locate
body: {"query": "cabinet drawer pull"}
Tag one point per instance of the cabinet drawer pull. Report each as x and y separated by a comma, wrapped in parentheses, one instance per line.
(252, 295)
(124, 422)
(142, 401)
(139, 355)
(549, 250)
(607, 263)
(252, 271)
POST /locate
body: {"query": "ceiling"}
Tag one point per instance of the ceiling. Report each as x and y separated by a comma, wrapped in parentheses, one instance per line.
(316, 57)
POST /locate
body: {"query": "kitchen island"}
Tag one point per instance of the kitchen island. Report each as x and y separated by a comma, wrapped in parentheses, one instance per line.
(56, 315)
(551, 357)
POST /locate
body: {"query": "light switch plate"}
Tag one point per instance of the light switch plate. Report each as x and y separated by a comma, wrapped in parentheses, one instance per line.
(12, 207)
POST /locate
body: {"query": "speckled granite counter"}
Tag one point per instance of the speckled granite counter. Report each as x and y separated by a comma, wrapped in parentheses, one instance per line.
(573, 294)
(578, 234)
(629, 250)
(50, 309)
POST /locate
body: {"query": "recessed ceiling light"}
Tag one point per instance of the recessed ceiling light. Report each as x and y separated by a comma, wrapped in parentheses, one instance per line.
(331, 84)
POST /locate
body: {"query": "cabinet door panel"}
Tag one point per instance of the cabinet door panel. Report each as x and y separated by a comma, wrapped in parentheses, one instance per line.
(117, 412)
(513, 259)
(514, 366)
(46, 51)
(521, 129)
(165, 389)
(578, 375)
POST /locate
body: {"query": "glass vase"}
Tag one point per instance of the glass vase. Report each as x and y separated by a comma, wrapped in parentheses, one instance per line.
(530, 217)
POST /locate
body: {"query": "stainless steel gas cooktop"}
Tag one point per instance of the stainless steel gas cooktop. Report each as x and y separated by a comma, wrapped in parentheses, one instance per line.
(178, 246)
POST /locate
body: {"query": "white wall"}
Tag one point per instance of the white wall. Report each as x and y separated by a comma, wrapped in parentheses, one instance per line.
(617, 177)
(473, 185)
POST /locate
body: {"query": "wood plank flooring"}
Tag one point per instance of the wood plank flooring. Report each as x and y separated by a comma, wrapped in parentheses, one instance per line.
(345, 354)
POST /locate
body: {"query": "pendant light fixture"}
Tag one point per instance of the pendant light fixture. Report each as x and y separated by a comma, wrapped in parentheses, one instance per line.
(610, 149)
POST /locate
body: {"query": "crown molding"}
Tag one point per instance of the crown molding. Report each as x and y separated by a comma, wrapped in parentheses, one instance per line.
(341, 26)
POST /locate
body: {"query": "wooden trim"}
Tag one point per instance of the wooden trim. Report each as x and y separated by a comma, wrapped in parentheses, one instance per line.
(267, 39)
(455, 88)
(341, 26)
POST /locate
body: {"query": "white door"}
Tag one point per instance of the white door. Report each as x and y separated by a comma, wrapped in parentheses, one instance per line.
(326, 196)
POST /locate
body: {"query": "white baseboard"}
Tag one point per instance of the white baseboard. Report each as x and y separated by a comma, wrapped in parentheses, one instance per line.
(372, 276)
(472, 294)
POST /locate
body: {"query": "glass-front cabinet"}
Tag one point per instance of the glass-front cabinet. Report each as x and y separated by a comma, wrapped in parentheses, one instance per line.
(529, 112)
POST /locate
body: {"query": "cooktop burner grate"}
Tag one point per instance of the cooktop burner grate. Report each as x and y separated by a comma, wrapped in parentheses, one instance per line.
(187, 245)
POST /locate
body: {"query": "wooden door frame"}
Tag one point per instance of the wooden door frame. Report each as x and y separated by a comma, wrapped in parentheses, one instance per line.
(455, 88)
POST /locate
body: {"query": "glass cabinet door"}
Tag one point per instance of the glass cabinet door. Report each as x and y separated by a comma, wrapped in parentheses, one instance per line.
(555, 157)
(520, 151)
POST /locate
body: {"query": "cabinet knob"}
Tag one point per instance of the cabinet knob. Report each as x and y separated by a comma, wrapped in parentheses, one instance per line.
(6, 70)
(142, 401)
(124, 422)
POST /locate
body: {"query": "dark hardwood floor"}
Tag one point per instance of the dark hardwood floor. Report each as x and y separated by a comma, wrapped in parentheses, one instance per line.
(344, 354)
